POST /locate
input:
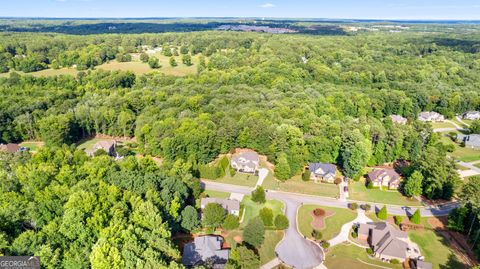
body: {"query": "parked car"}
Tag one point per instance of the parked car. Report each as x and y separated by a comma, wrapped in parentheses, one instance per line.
(345, 189)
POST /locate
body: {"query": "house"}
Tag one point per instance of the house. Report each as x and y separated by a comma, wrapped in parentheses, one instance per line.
(430, 116)
(10, 147)
(384, 177)
(205, 249)
(246, 162)
(323, 171)
(471, 115)
(471, 141)
(387, 242)
(418, 264)
(398, 119)
(231, 206)
(107, 145)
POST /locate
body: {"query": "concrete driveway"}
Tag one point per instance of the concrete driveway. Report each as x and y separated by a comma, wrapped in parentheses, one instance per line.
(294, 249)
(345, 230)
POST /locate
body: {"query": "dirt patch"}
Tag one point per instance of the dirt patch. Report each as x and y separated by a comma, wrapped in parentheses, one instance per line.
(238, 239)
(318, 222)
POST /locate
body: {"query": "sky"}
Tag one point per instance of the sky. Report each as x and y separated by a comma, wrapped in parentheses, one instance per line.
(334, 9)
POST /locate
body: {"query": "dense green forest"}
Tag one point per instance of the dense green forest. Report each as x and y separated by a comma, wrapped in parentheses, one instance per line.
(294, 98)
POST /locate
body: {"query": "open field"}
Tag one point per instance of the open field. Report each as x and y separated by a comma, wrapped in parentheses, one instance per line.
(333, 224)
(252, 209)
(295, 184)
(351, 256)
(241, 179)
(435, 248)
(358, 191)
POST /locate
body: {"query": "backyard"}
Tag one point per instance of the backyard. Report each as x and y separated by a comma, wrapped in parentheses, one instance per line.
(333, 223)
(358, 191)
(252, 209)
(461, 153)
(33, 146)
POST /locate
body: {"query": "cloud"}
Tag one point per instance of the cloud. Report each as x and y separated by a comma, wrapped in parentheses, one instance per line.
(267, 5)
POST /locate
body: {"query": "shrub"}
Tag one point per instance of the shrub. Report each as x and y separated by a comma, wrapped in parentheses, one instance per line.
(209, 172)
(353, 206)
(382, 214)
(231, 222)
(232, 171)
(369, 251)
(318, 212)
(370, 185)
(398, 220)
(281, 222)
(394, 261)
(366, 207)
(306, 175)
(325, 244)
(224, 163)
(213, 215)
(153, 62)
(416, 218)
(258, 195)
(266, 215)
(317, 234)
(144, 57)
(354, 234)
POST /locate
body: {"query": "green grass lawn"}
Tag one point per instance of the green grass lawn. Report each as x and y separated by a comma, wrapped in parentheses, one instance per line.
(88, 143)
(351, 256)
(252, 209)
(461, 153)
(33, 146)
(435, 248)
(442, 125)
(242, 179)
(333, 224)
(217, 194)
(358, 191)
(47, 72)
(295, 184)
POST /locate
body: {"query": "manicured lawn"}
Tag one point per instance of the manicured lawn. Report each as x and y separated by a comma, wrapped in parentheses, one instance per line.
(239, 179)
(333, 224)
(47, 72)
(33, 146)
(136, 67)
(351, 256)
(442, 125)
(88, 143)
(295, 184)
(435, 248)
(252, 209)
(358, 191)
(461, 153)
(217, 194)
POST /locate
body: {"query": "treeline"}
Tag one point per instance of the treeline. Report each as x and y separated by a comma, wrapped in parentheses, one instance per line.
(75, 211)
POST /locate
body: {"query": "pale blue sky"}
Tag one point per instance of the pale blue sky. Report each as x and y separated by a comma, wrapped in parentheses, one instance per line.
(352, 9)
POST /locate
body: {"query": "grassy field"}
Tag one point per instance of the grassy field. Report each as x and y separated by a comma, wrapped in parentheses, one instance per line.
(217, 194)
(435, 248)
(333, 224)
(135, 66)
(442, 125)
(461, 153)
(295, 184)
(88, 144)
(252, 209)
(351, 256)
(33, 146)
(239, 179)
(358, 191)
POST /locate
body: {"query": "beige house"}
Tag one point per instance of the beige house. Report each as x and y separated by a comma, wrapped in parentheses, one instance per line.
(107, 145)
(384, 177)
(398, 119)
(246, 162)
(387, 242)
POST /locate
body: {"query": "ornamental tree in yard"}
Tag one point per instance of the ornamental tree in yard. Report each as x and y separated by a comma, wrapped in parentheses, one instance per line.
(382, 214)
(416, 217)
(231, 222)
(189, 218)
(258, 195)
(213, 215)
(254, 232)
(281, 222)
(266, 214)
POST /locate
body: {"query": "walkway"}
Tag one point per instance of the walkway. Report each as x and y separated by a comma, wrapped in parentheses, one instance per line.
(271, 264)
(345, 231)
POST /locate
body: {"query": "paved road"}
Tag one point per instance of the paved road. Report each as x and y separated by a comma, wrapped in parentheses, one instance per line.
(294, 249)
(426, 211)
(262, 174)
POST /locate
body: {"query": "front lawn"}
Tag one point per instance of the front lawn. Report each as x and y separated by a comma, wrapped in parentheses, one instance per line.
(351, 256)
(252, 209)
(216, 194)
(241, 179)
(358, 191)
(435, 248)
(33, 146)
(333, 224)
(442, 125)
(460, 153)
(297, 185)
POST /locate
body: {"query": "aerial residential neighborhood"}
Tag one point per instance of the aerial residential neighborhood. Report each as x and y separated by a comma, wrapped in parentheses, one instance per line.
(240, 134)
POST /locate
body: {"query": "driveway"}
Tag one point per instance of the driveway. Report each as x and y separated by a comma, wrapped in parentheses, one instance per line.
(345, 231)
(262, 174)
(294, 249)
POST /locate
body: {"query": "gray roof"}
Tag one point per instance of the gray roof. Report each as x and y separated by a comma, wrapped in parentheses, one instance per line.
(385, 239)
(327, 168)
(249, 156)
(205, 248)
(227, 204)
(472, 140)
(398, 119)
(423, 265)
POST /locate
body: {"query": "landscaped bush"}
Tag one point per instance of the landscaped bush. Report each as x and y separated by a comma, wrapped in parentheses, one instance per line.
(338, 180)
(398, 220)
(306, 175)
(382, 214)
(369, 251)
(325, 244)
(232, 171)
(281, 222)
(319, 212)
(266, 214)
(416, 218)
(258, 195)
(370, 185)
(366, 207)
(354, 234)
(317, 234)
(353, 206)
(394, 261)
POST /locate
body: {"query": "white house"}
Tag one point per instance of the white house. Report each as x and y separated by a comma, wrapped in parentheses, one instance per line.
(231, 206)
(471, 115)
(430, 116)
(246, 162)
